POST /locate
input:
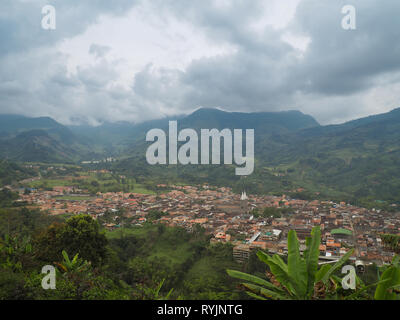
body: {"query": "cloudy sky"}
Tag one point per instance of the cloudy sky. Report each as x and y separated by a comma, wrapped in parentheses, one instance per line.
(137, 60)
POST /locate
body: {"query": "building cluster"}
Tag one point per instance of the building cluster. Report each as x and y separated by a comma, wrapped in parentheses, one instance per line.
(230, 217)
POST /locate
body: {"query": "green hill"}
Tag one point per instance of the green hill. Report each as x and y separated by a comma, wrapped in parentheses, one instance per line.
(11, 172)
(40, 140)
(357, 160)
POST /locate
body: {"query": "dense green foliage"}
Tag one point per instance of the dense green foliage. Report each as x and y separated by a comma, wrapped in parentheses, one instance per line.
(7, 198)
(11, 172)
(149, 262)
(389, 286)
(40, 139)
(22, 256)
(22, 221)
(78, 235)
(147, 255)
(159, 262)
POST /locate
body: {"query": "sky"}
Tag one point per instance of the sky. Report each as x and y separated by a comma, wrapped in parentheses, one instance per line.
(137, 60)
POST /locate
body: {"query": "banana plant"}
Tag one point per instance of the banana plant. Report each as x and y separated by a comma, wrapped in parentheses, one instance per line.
(74, 265)
(300, 278)
(16, 245)
(157, 295)
(151, 293)
(389, 288)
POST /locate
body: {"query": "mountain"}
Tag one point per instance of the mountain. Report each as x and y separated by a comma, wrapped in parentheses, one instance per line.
(360, 157)
(358, 160)
(11, 123)
(39, 140)
(265, 124)
(113, 139)
(261, 122)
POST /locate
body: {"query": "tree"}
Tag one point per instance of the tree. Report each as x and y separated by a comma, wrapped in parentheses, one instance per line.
(7, 197)
(48, 244)
(161, 229)
(95, 184)
(300, 278)
(79, 234)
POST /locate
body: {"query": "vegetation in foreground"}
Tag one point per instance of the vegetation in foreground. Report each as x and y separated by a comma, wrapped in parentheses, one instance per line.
(301, 278)
(149, 262)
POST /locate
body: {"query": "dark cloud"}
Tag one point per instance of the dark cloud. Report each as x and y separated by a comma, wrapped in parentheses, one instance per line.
(344, 62)
(340, 76)
(20, 21)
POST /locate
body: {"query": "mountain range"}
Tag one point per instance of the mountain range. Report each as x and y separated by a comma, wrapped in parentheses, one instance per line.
(357, 159)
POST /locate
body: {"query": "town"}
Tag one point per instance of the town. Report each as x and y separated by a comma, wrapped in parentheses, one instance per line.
(248, 222)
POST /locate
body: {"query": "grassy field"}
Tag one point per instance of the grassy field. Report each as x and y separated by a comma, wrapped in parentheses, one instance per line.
(50, 183)
(177, 251)
(189, 266)
(138, 188)
(105, 183)
(59, 165)
(75, 198)
(135, 231)
(177, 254)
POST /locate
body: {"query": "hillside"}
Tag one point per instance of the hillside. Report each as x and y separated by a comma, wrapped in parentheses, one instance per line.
(265, 124)
(357, 160)
(11, 172)
(40, 140)
(261, 122)
(114, 139)
(360, 157)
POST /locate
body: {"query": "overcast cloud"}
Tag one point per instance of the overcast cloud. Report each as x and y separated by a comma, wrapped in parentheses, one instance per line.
(137, 60)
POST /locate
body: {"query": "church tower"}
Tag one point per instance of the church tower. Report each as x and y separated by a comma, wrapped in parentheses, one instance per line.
(244, 206)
